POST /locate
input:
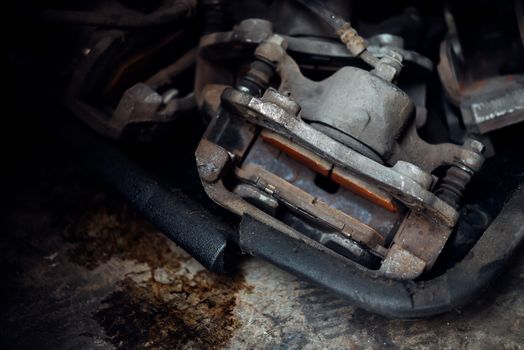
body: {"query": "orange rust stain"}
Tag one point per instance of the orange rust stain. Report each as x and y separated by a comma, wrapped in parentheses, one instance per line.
(324, 169)
(478, 85)
(138, 58)
(313, 164)
(362, 191)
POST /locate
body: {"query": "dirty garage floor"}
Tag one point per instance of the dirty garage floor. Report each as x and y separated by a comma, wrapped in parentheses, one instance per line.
(81, 270)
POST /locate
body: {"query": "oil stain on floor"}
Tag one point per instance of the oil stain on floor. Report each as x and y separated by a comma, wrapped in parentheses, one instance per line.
(172, 304)
(80, 270)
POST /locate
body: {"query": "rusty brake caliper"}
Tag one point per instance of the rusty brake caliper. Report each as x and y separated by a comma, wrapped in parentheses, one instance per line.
(336, 164)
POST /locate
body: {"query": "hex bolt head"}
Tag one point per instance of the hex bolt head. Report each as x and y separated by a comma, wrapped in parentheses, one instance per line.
(211, 160)
(278, 40)
(474, 145)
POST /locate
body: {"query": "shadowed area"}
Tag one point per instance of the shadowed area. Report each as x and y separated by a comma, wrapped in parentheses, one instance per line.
(81, 270)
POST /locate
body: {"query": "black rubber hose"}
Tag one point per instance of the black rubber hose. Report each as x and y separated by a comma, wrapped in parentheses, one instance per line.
(341, 26)
(408, 299)
(320, 9)
(181, 218)
(180, 9)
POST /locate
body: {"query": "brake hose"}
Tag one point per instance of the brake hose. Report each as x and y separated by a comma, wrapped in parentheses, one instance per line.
(347, 34)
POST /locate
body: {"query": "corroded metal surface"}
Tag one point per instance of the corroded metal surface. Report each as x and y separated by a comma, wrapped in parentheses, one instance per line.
(288, 166)
(311, 205)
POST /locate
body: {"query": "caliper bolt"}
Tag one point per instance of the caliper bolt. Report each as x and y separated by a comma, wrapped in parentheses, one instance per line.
(262, 69)
(458, 176)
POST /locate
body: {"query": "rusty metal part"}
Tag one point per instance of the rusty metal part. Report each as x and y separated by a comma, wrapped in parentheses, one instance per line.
(354, 42)
(263, 154)
(402, 264)
(429, 157)
(240, 206)
(262, 69)
(490, 110)
(311, 206)
(393, 114)
(244, 38)
(139, 104)
(237, 205)
(323, 167)
(458, 176)
(95, 80)
(347, 103)
(387, 68)
(304, 156)
(358, 121)
(487, 104)
(369, 122)
(211, 161)
(418, 241)
(423, 233)
(416, 247)
(120, 75)
(406, 189)
(348, 35)
(257, 197)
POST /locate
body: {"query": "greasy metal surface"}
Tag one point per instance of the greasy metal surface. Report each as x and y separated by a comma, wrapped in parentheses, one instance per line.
(82, 271)
(406, 189)
(323, 167)
(402, 264)
(422, 238)
(342, 199)
(224, 46)
(366, 134)
(416, 249)
(486, 104)
(142, 104)
(361, 121)
(408, 146)
(304, 178)
(360, 105)
(233, 202)
(303, 201)
(495, 106)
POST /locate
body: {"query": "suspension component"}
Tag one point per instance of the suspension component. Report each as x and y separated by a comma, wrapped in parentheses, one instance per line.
(262, 69)
(458, 176)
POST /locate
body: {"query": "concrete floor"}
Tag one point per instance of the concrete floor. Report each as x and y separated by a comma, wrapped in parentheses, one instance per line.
(82, 271)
